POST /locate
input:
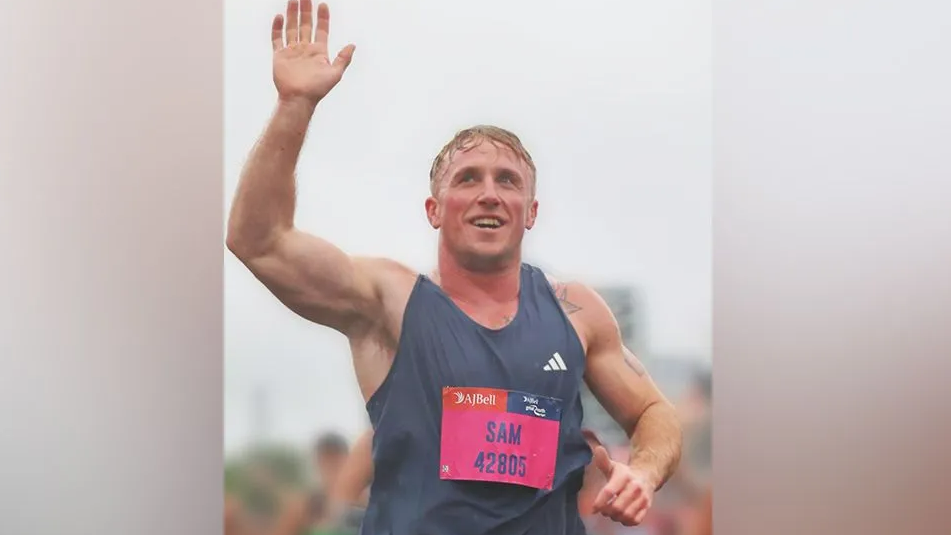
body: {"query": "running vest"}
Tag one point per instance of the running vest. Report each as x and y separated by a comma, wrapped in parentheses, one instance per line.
(478, 431)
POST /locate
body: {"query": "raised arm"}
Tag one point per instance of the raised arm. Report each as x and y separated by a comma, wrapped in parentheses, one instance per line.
(311, 276)
(626, 391)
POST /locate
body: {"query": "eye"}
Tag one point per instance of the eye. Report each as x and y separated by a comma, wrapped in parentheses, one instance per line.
(468, 176)
(507, 178)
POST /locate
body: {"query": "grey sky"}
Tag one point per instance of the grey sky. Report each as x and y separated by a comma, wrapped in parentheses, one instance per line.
(612, 99)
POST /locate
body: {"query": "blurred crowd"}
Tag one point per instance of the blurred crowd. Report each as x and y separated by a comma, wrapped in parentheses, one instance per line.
(277, 490)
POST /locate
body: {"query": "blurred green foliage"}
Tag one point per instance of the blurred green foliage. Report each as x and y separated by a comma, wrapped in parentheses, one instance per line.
(256, 476)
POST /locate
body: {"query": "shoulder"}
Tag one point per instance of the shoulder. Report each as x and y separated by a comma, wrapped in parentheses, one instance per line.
(392, 284)
(588, 311)
(576, 296)
(385, 274)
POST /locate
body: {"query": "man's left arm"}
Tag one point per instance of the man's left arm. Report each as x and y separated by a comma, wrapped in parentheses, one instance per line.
(618, 380)
(624, 388)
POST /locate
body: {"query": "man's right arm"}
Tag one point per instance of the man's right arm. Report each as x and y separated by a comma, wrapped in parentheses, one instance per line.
(309, 275)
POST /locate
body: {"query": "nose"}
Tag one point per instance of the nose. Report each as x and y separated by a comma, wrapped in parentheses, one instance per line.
(489, 196)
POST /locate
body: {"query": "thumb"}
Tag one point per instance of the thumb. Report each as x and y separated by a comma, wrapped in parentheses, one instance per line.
(603, 461)
(344, 57)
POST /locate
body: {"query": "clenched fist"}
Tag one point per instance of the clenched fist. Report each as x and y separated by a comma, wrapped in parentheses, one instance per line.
(302, 66)
(627, 495)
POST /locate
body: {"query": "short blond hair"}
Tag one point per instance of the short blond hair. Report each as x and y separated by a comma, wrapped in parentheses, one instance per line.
(470, 137)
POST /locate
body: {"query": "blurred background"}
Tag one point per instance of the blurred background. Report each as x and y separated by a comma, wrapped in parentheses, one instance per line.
(616, 114)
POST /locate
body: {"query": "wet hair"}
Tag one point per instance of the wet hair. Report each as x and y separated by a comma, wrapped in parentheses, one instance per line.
(470, 137)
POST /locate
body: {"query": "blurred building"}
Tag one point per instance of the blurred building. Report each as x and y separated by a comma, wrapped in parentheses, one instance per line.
(628, 305)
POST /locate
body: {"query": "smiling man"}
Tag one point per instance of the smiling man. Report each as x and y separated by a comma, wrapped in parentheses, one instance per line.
(471, 374)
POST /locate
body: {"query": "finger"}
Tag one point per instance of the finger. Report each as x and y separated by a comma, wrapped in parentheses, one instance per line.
(639, 516)
(323, 26)
(277, 32)
(617, 509)
(603, 500)
(292, 29)
(629, 514)
(344, 57)
(607, 495)
(603, 461)
(627, 497)
(306, 21)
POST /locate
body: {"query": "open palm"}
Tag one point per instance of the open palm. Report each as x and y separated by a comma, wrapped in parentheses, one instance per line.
(302, 66)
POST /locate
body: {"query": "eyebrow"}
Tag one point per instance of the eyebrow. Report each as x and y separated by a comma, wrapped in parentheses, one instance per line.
(505, 169)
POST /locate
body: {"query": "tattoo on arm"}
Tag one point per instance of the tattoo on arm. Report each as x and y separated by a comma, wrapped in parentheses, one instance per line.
(633, 363)
(561, 291)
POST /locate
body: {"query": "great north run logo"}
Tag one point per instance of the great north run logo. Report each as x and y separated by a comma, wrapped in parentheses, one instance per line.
(474, 400)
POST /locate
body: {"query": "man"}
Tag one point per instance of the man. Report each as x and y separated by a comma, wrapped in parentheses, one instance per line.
(329, 454)
(355, 475)
(471, 374)
(328, 458)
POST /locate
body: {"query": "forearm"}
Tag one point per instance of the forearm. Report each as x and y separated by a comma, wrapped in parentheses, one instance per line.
(266, 196)
(656, 443)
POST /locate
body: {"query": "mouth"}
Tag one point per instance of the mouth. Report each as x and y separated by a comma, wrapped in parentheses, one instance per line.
(489, 222)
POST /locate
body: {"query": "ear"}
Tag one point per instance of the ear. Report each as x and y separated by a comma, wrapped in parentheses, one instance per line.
(432, 212)
(531, 215)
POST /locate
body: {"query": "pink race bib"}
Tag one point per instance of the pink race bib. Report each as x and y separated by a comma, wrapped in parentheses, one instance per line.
(501, 436)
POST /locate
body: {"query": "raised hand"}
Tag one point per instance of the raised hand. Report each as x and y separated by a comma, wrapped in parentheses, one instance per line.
(302, 66)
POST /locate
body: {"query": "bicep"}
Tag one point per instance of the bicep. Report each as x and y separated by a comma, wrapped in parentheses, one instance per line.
(615, 376)
(316, 279)
(621, 383)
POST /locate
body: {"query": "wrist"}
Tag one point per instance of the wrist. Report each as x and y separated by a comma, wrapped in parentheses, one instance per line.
(650, 473)
(297, 105)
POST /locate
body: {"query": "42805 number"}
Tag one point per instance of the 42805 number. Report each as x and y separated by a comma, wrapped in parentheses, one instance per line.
(502, 464)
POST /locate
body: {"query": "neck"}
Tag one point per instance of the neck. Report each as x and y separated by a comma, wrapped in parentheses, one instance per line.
(500, 285)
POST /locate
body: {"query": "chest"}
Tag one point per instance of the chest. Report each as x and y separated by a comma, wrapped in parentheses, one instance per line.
(536, 351)
(493, 317)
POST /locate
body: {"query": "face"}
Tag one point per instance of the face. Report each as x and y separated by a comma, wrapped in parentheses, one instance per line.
(483, 205)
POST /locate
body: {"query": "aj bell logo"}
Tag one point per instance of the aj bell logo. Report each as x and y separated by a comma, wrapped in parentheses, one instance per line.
(474, 399)
(531, 405)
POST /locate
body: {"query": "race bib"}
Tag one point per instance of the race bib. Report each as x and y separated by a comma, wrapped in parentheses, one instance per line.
(501, 436)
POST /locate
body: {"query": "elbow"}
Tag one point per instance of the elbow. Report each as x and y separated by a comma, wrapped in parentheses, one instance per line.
(248, 244)
(658, 413)
(671, 417)
(237, 245)
(234, 243)
(244, 248)
(244, 236)
(235, 236)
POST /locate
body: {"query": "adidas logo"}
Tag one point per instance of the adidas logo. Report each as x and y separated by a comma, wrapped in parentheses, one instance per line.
(555, 364)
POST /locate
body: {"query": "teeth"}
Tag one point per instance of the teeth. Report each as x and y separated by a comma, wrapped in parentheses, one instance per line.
(487, 222)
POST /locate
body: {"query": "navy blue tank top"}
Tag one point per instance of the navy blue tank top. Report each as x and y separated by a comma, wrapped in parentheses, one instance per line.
(441, 346)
